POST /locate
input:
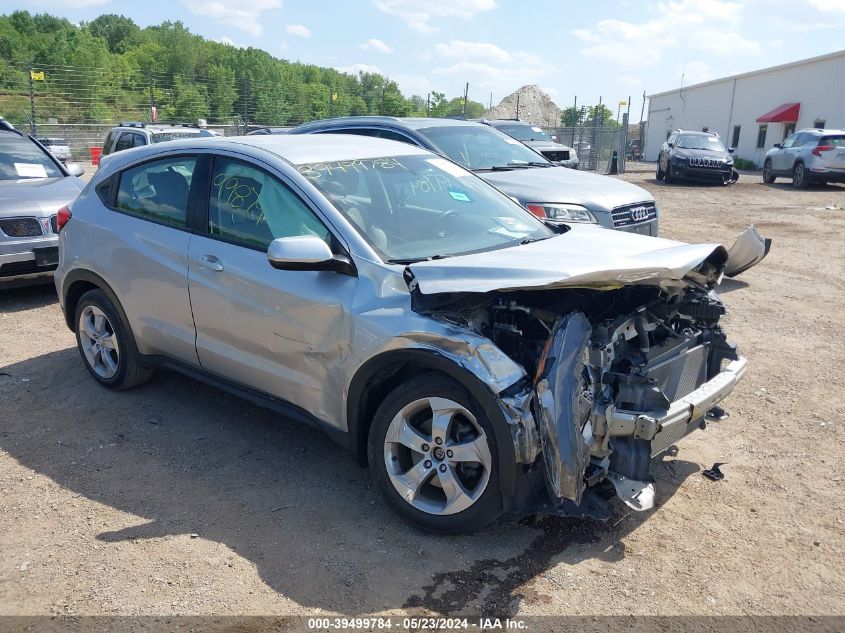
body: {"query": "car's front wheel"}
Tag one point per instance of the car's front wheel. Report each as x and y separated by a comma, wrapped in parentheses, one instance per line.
(799, 176)
(431, 450)
(669, 177)
(659, 175)
(106, 343)
(768, 173)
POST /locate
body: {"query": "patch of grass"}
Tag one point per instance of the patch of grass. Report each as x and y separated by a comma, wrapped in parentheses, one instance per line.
(745, 165)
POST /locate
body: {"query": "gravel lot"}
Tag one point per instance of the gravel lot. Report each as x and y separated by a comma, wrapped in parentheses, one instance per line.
(177, 498)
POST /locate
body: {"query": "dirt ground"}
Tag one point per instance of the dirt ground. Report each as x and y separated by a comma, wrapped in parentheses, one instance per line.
(176, 498)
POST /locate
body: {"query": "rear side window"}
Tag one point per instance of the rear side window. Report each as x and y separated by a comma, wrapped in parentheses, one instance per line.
(124, 142)
(108, 146)
(158, 190)
(833, 141)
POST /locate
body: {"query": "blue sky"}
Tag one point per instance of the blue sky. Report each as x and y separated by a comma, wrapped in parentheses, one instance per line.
(598, 48)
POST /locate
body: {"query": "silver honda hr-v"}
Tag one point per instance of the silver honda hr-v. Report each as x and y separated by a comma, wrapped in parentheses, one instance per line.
(480, 361)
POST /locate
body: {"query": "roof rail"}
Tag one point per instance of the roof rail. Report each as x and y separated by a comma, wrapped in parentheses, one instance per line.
(132, 124)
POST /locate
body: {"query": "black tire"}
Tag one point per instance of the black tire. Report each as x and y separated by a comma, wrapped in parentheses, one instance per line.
(768, 173)
(668, 177)
(659, 175)
(800, 179)
(486, 508)
(130, 371)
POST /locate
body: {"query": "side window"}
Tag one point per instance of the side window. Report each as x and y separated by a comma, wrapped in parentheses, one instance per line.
(138, 140)
(108, 146)
(248, 206)
(810, 140)
(124, 142)
(158, 190)
(790, 141)
(761, 136)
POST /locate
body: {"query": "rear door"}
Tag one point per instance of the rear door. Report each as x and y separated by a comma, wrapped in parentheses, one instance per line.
(140, 245)
(272, 330)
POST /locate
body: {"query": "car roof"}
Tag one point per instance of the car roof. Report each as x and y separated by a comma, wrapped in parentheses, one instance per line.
(696, 133)
(410, 123)
(820, 131)
(294, 148)
(495, 122)
(159, 128)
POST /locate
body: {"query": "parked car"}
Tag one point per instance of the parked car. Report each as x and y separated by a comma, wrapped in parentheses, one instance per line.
(695, 156)
(548, 191)
(633, 149)
(535, 138)
(137, 134)
(58, 147)
(480, 360)
(808, 156)
(34, 186)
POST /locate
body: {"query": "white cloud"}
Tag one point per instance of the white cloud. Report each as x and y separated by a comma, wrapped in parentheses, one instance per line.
(413, 84)
(354, 69)
(229, 41)
(682, 26)
(629, 81)
(298, 29)
(828, 5)
(696, 73)
(426, 17)
(777, 43)
(373, 44)
(487, 66)
(57, 4)
(479, 50)
(247, 17)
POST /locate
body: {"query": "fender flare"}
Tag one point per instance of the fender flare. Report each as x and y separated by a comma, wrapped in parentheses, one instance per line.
(358, 427)
(80, 274)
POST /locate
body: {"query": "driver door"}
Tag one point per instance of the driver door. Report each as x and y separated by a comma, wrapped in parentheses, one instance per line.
(782, 159)
(271, 330)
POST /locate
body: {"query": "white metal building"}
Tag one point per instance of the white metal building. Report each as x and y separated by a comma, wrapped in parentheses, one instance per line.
(754, 110)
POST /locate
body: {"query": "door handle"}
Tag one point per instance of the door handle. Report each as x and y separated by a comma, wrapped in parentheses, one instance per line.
(210, 262)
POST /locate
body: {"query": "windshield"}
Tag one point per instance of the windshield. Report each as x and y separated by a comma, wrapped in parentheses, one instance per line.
(160, 137)
(480, 147)
(524, 132)
(694, 141)
(412, 208)
(21, 158)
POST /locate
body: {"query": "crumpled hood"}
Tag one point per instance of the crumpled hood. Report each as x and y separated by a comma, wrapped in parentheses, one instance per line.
(37, 196)
(585, 255)
(559, 184)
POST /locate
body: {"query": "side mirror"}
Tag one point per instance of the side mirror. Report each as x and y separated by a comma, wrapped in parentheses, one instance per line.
(671, 144)
(731, 150)
(75, 169)
(777, 146)
(307, 252)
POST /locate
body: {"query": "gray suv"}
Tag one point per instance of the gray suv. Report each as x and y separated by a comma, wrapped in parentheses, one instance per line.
(137, 134)
(480, 360)
(808, 156)
(547, 190)
(538, 140)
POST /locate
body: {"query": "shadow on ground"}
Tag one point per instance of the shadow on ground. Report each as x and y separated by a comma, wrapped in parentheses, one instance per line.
(27, 298)
(191, 459)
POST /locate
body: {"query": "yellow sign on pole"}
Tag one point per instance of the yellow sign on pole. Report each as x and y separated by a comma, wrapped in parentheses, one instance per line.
(623, 103)
(334, 96)
(36, 75)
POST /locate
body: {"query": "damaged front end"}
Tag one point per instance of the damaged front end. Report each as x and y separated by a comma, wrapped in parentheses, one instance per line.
(617, 375)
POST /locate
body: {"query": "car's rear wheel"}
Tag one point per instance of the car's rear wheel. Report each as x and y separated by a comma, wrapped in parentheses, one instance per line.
(431, 450)
(106, 343)
(799, 176)
(768, 173)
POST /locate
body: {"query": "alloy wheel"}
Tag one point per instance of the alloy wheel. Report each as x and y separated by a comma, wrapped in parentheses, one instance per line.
(99, 343)
(437, 456)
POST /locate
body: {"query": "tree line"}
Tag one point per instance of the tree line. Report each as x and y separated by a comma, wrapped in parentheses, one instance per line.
(110, 68)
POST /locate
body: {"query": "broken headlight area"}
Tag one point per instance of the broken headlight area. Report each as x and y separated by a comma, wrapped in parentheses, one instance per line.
(617, 376)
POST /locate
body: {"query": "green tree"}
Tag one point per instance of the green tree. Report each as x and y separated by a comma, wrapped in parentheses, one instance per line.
(120, 33)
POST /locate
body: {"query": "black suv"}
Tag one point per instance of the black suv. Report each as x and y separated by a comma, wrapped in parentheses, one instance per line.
(695, 156)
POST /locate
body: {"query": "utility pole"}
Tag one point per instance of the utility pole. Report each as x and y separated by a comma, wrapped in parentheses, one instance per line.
(642, 129)
(383, 88)
(428, 105)
(153, 109)
(31, 103)
(575, 120)
(246, 104)
(490, 107)
(517, 106)
(466, 95)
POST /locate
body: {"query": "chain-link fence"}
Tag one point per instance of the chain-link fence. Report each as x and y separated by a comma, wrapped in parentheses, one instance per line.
(80, 105)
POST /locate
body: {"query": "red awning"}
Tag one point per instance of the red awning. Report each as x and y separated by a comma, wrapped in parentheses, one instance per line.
(787, 113)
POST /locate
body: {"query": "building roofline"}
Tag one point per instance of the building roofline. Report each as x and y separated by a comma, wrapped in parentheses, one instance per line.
(750, 73)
